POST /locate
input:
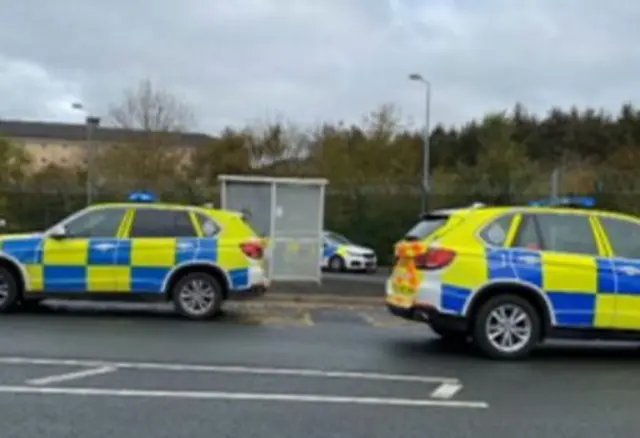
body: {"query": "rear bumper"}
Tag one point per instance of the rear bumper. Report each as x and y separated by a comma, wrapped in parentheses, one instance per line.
(255, 291)
(429, 315)
(257, 287)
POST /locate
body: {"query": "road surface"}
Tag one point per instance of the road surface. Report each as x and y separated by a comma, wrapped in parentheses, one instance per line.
(295, 372)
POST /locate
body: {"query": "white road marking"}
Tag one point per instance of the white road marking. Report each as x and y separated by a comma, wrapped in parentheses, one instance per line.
(71, 376)
(446, 390)
(227, 369)
(215, 395)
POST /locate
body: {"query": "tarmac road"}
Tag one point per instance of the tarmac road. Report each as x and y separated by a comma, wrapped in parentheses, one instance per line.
(295, 372)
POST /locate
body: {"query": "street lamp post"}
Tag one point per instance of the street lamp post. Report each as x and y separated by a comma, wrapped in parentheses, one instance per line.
(426, 145)
(91, 124)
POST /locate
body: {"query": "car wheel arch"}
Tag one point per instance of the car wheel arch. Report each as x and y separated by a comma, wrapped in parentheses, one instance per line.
(17, 270)
(524, 290)
(208, 268)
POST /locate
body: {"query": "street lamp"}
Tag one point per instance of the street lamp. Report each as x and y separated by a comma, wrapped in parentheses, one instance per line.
(426, 146)
(91, 124)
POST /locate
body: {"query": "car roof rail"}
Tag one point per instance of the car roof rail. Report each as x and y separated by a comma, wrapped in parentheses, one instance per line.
(566, 202)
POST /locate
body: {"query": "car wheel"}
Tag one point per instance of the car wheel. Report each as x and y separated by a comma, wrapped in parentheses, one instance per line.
(9, 293)
(506, 327)
(336, 263)
(198, 296)
(449, 335)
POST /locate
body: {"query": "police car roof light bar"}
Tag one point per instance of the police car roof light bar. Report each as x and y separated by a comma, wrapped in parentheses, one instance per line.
(566, 201)
(142, 196)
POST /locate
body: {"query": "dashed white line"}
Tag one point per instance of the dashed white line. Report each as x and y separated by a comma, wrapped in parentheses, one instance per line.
(446, 390)
(215, 395)
(56, 378)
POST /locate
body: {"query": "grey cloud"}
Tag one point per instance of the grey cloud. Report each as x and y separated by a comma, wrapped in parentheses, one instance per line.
(324, 60)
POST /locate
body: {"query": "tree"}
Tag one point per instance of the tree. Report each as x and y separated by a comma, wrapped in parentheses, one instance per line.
(502, 168)
(14, 165)
(153, 151)
(228, 154)
(14, 161)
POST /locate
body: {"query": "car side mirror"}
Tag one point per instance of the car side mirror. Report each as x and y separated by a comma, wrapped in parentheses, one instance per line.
(58, 232)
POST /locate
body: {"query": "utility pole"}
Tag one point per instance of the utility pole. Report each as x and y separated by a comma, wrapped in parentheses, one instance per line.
(426, 144)
(92, 124)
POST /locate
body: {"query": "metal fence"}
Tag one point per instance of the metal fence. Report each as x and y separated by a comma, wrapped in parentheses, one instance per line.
(372, 214)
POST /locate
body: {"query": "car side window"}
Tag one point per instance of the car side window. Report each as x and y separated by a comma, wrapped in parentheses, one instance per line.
(207, 225)
(624, 237)
(569, 233)
(162, 223)
(495, 234)
(528, 236)
(103, 222)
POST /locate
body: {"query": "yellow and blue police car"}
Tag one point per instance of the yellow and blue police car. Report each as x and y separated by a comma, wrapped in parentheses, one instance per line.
(507, 278)
(341, 254)
(141, 250)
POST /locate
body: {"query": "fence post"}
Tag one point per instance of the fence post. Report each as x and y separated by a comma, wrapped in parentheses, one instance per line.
(555, 183)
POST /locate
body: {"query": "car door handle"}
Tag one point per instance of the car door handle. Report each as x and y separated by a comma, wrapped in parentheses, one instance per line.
(104, 246)
(629, 270)
(184, 246)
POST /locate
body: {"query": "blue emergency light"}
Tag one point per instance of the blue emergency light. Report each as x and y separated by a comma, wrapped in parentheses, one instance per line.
(566, 201)
(142, 197)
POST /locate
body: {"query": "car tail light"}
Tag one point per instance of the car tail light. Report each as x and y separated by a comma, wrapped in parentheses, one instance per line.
(434, 258)
(253, 250)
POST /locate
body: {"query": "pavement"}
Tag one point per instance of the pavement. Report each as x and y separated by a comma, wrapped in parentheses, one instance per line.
(340, 283)
(280, 370)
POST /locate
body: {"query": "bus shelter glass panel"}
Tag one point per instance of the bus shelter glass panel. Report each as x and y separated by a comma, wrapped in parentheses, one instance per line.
(254, 200)
(298, 223)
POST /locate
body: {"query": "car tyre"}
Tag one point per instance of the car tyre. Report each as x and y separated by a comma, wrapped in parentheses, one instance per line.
(519, 322)
(336, 264)
(9, 292)
(198, 296)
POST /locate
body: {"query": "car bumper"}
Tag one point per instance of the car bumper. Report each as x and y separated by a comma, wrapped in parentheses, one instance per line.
(429, 315)
(258, 286)
(423, 307)
(360, 263)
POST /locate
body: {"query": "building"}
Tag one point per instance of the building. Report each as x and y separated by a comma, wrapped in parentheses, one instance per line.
(66, 144)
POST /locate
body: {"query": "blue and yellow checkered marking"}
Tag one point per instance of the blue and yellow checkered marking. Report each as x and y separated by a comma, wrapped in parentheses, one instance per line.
(581, 290)
(113, 265)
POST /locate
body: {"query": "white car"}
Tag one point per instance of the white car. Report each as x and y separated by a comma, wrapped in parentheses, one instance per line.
(340, 254)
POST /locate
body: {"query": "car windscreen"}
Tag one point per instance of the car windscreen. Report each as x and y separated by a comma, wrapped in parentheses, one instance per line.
(337, 239)
(426, 227)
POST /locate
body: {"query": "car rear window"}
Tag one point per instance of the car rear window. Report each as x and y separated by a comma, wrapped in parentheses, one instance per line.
(426, 227)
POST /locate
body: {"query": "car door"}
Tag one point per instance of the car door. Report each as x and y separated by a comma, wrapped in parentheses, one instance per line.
(623, 240)
(561, 253)
(82, 259)
(158, 240)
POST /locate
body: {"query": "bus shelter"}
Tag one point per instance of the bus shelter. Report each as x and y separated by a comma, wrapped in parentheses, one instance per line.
(289, 212)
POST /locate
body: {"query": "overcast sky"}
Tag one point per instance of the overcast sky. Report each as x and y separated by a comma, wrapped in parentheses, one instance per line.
(238, 61)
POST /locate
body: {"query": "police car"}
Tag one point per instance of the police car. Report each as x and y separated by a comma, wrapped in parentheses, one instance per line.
(341, 254)
(141, 250)
(509, 277)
